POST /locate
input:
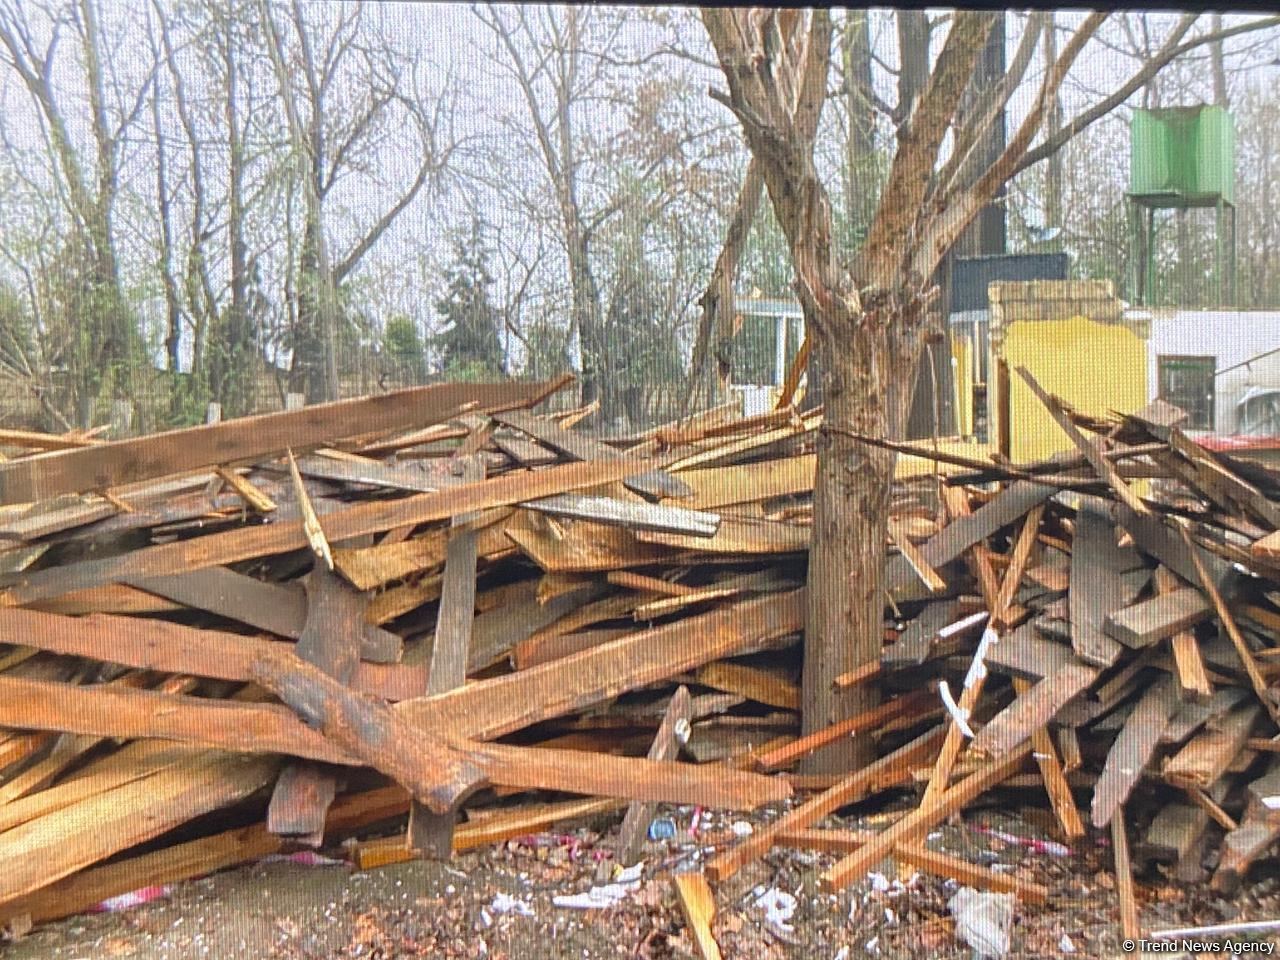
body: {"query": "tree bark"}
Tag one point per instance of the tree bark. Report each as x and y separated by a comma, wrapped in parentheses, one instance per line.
(867, 333)
(715, 328)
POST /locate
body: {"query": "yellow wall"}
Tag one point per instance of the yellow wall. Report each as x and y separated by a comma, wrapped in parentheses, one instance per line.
(962, 364)
(1095, 367)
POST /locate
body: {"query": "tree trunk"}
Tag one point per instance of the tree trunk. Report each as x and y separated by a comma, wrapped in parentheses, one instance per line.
(1053, 123)
(708, 381)
(860, 158)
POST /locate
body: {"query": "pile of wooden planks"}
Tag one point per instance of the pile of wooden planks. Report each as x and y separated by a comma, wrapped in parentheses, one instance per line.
(435, 600)
(326, 617)
(1111, 636)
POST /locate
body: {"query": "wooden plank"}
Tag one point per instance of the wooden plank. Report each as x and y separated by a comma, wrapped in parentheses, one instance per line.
(518, 618)
(1211, 807)
(426, 761)
(316, 538)
(890, 769)
(1192, 715)
(1016, 723)
(42, 851)
(279, 608)
(1215, 480)
(918, 856)
(80, 892)
(715, 487)
(486, 827)
(1051, 772)
(335, 614)
(639, 581)
(747, 535)
(457, 598)
(1124, 878)
(915, 645)
(1208, 755)
(1019, 558)
(958, 536)
(1166, 545)
(1096, 588)
(1256, 833)
(975, 678)
(654, 609)
(920, 821)
(36, 440)
(724, 451)
(494, 707)
(1133, 749)
(247, 438)
(374, 566)
(1025, 653)
(583, 547)
(634, 516)
(1103, 467)
(1229, 624)
(68, 749)
(430, 833)
(438, 772)
(248, 492)
(1189, 669)
(406, 476)
(932, 581)
(906, 705)
(173, 648)
(1268, 547)
(130, 762)
(1175, 834)
(754, 683)
(1164, 615)
(531, 652)
(699, 907)
(342, 524)
(666, 746)
(868, 671)
(113, 598)
(655, 484)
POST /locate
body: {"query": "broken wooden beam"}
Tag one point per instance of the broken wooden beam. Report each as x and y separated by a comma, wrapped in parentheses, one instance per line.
(655, 484)
(890, 769)
(699, 908)
(245, 543)
(1104, 468)
(430, 832)
(248, 438)
(666, 746)
(922, 858)
(919, 821)
(1133, 749)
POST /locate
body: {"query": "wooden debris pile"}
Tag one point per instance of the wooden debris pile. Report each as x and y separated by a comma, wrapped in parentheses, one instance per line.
(436, 589)
(436, 599)
(1122, 641)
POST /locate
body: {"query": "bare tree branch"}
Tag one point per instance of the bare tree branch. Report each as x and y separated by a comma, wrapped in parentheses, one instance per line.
(1168, 52)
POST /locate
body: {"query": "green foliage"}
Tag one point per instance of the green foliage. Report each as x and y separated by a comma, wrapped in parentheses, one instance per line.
(469, 344)
(402, 345)
(18, 352)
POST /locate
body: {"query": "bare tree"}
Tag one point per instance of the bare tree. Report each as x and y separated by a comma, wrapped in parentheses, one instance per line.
(100, 338)
(551, 84)
(329, 139)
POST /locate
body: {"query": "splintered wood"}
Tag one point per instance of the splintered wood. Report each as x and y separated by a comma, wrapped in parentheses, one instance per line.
(251, 611)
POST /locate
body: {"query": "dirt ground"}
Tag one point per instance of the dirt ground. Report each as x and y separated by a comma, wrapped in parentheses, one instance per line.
(295, 912)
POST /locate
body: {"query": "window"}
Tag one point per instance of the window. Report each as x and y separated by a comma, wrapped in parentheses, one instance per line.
(1187, 383)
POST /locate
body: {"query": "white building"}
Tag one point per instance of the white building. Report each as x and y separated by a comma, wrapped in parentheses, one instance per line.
(1221, 366)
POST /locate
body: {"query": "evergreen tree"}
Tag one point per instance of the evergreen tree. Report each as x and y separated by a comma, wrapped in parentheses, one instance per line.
(469, 345)
(403, 347)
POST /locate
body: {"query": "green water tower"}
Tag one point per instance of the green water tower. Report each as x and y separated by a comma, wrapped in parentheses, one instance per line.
(1181, 158)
